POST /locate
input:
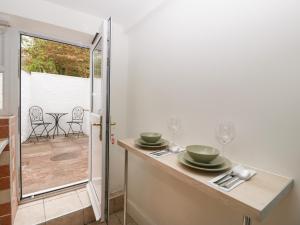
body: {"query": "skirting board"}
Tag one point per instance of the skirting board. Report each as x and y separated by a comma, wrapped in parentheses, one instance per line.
(138, 215)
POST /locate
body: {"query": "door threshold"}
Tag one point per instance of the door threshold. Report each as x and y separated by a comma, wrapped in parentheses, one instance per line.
(53, 191)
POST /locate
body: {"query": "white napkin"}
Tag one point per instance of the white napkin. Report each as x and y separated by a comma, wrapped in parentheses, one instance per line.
(212, 181)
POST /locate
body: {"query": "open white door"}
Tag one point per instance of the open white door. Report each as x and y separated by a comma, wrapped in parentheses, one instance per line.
(100, 122)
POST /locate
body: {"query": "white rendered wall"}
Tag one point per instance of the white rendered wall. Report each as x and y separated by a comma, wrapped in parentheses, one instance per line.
(25, 105)
(54, 93)
(208, 61)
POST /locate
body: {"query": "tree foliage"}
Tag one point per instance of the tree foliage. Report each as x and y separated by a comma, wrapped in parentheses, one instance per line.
(40, 55)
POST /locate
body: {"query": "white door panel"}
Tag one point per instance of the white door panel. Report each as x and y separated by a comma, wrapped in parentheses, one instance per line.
(99, 123)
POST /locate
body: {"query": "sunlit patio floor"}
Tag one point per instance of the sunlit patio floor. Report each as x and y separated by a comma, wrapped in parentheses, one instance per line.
(53, 162)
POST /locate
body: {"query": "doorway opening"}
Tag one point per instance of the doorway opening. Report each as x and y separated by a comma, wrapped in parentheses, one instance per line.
(54, 115)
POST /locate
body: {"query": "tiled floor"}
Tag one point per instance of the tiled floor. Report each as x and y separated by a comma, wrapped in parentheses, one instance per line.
(73, 206)
(54, 162)
(117, 219)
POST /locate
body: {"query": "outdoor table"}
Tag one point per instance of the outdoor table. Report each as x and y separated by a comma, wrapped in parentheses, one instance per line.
(56, 126)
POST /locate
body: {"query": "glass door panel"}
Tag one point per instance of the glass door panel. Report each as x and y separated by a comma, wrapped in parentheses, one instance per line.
(99, 125)
(97, 78)
(96, 117)
(96, 159)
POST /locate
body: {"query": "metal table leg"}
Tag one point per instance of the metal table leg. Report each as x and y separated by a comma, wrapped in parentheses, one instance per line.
(59, 127)
(53, 128)
(247, 220)
(125, 187)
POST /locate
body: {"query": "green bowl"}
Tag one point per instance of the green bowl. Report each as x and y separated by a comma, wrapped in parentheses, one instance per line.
(150, 137)
(202, 153)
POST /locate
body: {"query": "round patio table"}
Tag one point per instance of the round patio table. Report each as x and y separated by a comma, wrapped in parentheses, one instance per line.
(56, 127)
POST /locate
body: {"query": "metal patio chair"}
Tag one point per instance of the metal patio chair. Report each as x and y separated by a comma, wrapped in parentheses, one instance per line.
(77, 119)
(36, 116)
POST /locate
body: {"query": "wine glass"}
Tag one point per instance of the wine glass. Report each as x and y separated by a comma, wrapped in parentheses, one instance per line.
(225, 133)
(174, 126)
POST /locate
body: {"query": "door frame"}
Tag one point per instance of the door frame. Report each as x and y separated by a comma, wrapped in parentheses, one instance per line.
(50, 191)
(108, 125)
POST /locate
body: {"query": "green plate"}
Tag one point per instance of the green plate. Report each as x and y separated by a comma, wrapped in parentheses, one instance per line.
(147, 147)
(214, 163)
(225, 166)
(142, 142)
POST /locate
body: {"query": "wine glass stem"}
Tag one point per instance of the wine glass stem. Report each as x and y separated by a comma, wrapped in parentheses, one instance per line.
(173, 139)
(223, 150)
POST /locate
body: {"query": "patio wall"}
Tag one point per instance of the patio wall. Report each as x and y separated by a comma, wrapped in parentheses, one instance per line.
(54, 93)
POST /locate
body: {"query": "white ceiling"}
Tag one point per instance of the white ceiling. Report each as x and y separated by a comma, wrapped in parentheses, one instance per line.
(123, 12)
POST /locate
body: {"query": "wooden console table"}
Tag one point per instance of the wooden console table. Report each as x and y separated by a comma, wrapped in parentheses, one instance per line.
(254, 198)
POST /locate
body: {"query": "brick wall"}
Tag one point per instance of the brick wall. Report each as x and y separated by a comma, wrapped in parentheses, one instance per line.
(8, 175)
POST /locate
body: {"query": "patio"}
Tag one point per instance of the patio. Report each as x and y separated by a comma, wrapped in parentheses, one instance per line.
(57, 160)
(54, 162)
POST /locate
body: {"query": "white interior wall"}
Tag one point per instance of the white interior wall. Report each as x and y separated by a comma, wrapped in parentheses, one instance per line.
(38, 28)
(54, 93)
(119, 77)
(50, 13)
(208, 61)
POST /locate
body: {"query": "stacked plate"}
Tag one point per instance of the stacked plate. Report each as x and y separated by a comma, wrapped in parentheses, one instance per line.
(203, 158)
(151, 141)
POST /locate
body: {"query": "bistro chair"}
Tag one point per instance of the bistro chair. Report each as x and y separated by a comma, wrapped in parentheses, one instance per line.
(77, 119)
(36, 116)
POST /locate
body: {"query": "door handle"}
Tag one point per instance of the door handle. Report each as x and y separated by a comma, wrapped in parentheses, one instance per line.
(100, 125)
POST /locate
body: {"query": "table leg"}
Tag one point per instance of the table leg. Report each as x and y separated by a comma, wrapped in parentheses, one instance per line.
(59, 127)
(56, 127)
(53, 128)
(125, 187)
(246, 220)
